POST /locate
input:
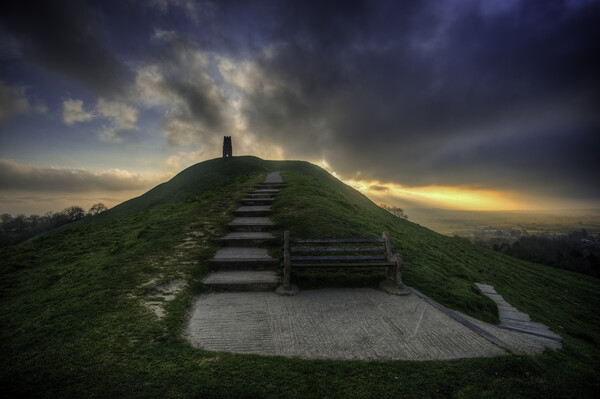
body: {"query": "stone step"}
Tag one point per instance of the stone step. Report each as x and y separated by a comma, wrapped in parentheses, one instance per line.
(261, 195)
(274, 177)
(246, 238)
(265, 280)
(266, 191)
(250, 224)
(270, 185)
(253, 210)
(257, 201)
(243, 258)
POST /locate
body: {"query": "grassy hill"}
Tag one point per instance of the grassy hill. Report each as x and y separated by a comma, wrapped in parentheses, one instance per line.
(189, 183)
(74, 322)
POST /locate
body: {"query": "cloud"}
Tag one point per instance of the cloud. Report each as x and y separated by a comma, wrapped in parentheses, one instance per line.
(15, 101)
(65, 37)
(182, 160)
(18, 176)
(192, 9)
(122, 115)
(430, 93)
(73, 112)
(163, 35)
(179, 82)
(123, 119)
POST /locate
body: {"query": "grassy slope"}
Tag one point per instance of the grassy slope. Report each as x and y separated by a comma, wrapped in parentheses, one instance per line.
(71, 328)
(191, 182)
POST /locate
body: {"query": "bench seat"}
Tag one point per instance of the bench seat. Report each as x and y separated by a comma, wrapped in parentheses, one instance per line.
(342, 253)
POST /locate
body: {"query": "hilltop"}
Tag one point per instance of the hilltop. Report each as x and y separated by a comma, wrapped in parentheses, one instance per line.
(75, 322)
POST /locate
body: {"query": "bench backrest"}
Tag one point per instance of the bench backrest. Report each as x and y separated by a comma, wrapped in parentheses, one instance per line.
(332, 252)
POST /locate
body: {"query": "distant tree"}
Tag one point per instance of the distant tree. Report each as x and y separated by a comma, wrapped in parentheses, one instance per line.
(5, 218)
(14, 230)
(33, 220)
(394, 210)
(97, 208)
(73, 213)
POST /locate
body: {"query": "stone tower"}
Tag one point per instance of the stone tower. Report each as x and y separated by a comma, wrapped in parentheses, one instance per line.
(227, 150)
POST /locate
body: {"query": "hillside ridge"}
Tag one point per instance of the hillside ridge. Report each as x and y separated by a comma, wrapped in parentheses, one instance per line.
(75, 324)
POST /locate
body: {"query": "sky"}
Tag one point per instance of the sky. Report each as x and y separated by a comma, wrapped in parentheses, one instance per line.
(457, 104)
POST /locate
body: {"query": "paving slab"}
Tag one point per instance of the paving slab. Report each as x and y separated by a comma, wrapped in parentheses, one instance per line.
(266, 191)
(248, 235)
(512, 319)
(261, 195)
(274, 177)
(246, 238)
(251, 221)
(253, 210)
(241, 253)
(257, 201)
(353, 323)
(243, 280)
(264, 276)
(250, 224)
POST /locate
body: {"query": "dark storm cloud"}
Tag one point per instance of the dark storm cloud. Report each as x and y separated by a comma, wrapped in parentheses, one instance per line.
(438, 92)
(175, 75)
(17, 176)
(65, 37)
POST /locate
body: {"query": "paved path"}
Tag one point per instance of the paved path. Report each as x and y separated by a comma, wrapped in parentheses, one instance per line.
(516, 327)
(358, 323)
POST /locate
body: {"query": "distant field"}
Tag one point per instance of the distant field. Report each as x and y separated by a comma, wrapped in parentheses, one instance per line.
(450, 222)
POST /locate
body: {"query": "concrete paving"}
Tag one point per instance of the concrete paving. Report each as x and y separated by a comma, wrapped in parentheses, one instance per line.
(260, 195)
(530, 336)
(250, 224)
(249, 235)
(347, 324)
(274, 177)
(257, 201)
(253, 210)
(242, 280)
(266, 191)
(251, 221)
(246, 238)
(241, 253)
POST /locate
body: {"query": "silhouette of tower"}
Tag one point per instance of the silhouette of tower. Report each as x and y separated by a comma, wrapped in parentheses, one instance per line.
(227, 150)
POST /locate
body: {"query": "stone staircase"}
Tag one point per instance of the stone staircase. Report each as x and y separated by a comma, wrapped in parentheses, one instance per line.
(243, 264)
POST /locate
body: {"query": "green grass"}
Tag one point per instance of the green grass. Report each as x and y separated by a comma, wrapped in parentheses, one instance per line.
(73, 324)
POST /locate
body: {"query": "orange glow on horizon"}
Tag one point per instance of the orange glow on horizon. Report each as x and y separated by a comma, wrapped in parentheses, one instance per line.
(453, 197)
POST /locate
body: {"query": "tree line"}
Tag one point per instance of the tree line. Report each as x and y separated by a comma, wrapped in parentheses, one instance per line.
(394, 210)
(14, 230)
(577, 251)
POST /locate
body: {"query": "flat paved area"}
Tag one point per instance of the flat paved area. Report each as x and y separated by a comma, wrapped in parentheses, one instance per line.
(346, 323)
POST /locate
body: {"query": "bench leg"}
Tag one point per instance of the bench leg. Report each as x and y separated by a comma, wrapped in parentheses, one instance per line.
(286, 276)
(393, 282)
(287, 288)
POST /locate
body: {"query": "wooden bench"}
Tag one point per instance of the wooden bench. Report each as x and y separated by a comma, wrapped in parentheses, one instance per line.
(344, 253)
